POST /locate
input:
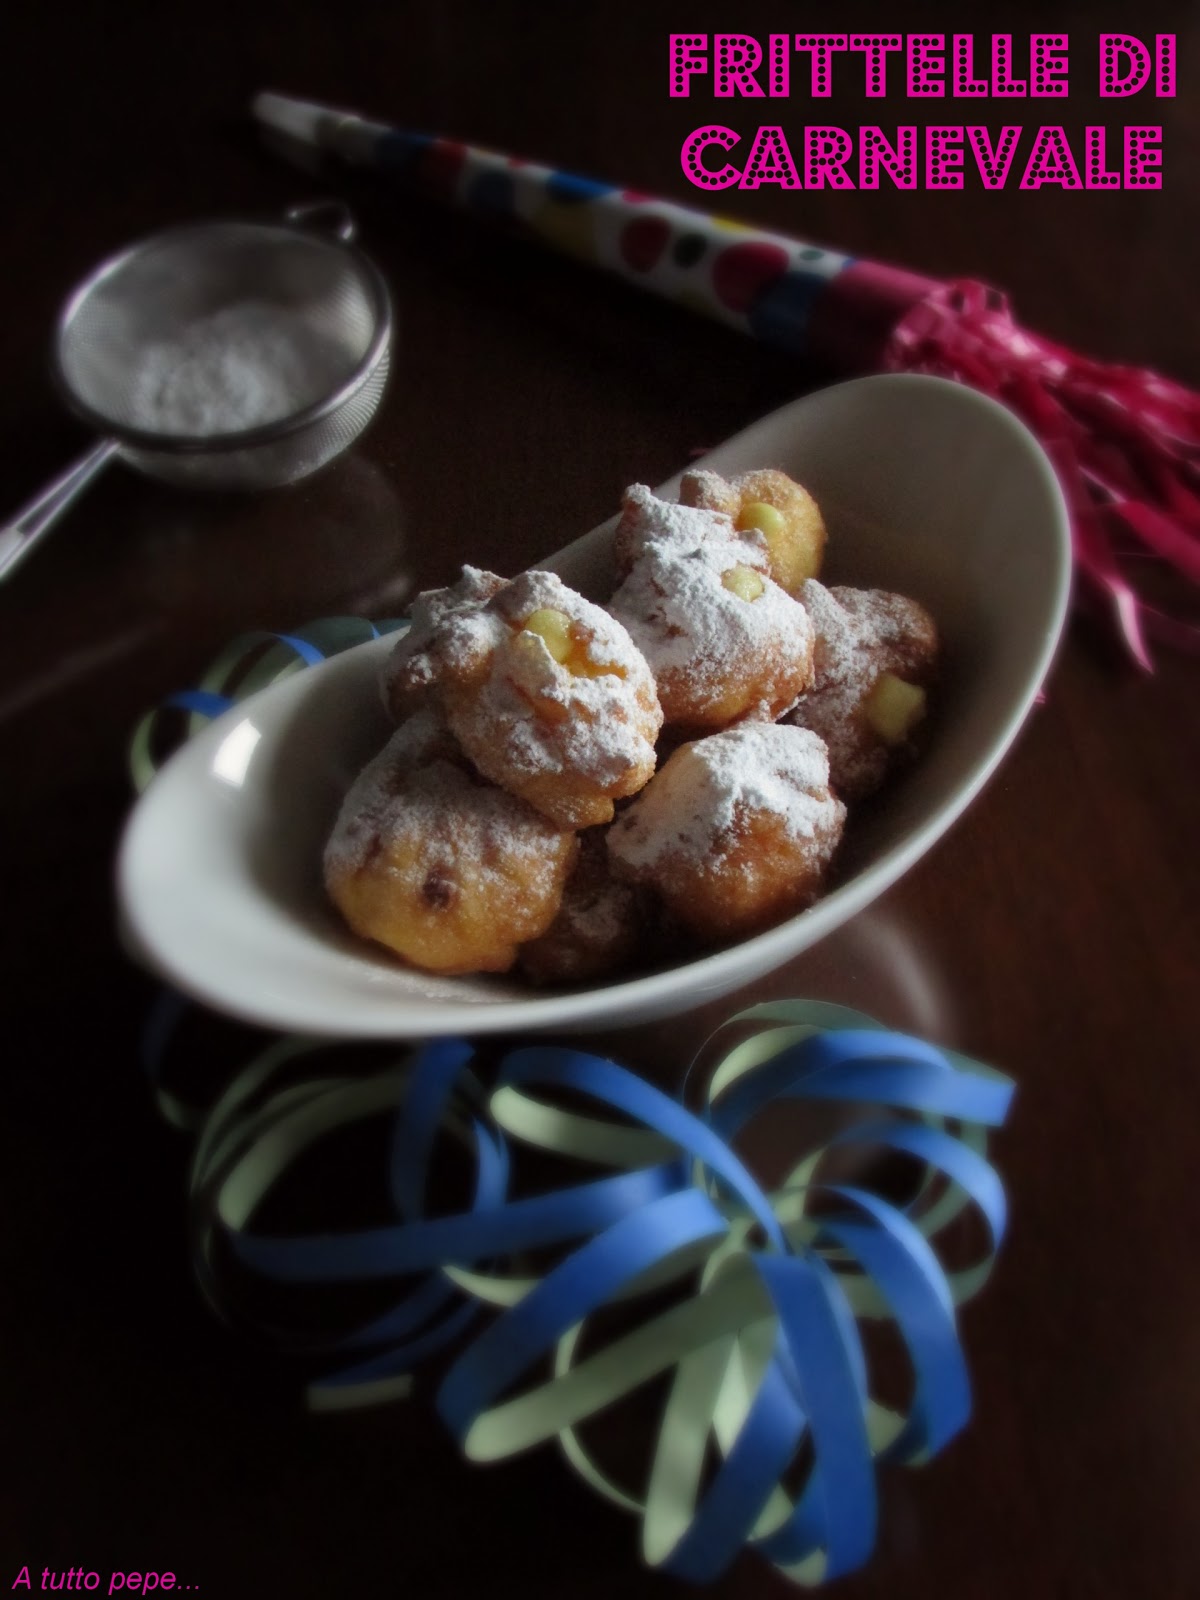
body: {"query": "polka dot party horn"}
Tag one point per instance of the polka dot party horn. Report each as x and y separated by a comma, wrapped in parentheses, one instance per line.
(1123, 441)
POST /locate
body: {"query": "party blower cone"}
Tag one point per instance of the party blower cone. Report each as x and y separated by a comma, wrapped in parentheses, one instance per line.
(1124, 442)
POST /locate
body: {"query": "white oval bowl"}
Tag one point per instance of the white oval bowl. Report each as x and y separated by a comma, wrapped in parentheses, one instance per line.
(927, 488)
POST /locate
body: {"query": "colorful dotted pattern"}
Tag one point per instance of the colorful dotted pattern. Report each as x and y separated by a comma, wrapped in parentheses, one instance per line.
(440, 165)
(571, 227)
(643, 241)
(742, 272)
(569, 189)
(716, 265)
(688, 249)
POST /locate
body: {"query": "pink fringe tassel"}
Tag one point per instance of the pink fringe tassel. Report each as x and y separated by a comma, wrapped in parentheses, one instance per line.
(1125, 443)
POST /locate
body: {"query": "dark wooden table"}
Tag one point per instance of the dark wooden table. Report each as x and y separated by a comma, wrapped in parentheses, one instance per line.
(1053, 933)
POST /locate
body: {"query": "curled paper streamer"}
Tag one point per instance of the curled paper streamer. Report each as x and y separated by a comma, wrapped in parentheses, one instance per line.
(1124, 441)
(766, 1291)
(752, 1302)
(248, 663)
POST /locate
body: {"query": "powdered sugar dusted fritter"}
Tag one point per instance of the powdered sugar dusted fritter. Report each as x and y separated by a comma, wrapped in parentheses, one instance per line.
(448, 871)
(414, 666)
(548, 696)
(723, 640)
(645, 519)
(778, 507)
(599, 926)
(736, 831)
(861, 634)
(537, 710)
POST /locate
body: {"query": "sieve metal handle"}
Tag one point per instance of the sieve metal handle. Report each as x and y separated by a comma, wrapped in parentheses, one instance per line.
(19, 536)
(324, 216)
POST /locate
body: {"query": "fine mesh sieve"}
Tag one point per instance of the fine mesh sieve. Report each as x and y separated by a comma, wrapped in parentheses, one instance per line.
(123, 325)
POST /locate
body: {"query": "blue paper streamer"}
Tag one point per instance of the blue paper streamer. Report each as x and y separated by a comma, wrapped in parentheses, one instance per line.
(251, 662)
(608, 1236)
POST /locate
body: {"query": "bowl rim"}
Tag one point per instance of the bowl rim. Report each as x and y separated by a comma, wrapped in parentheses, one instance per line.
(625, 1000)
